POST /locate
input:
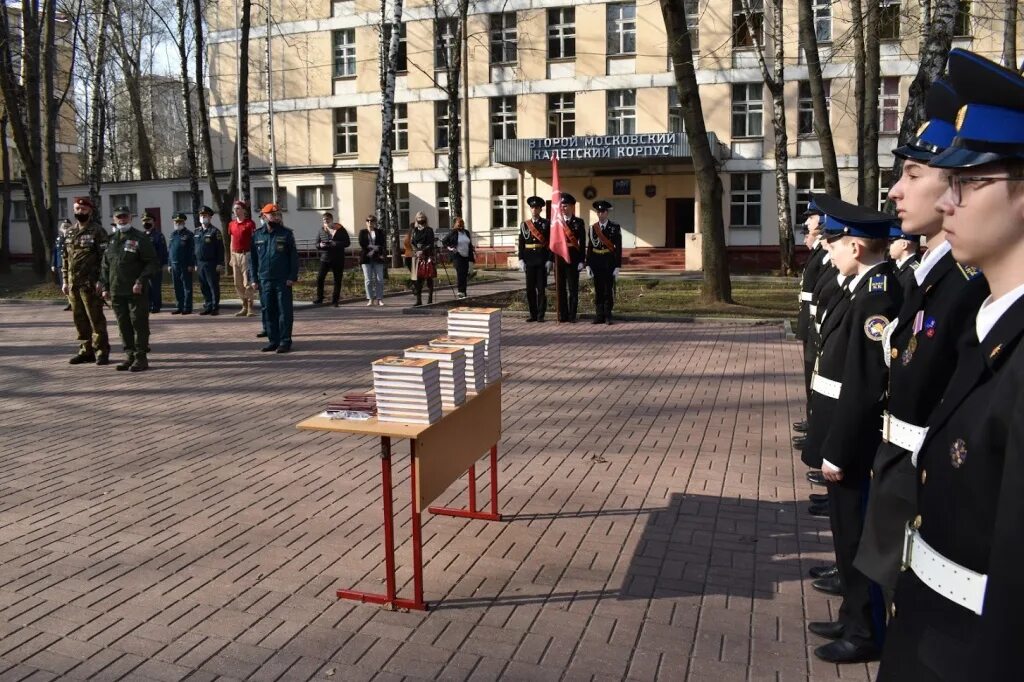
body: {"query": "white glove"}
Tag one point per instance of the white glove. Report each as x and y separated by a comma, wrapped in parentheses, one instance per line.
(615, 272)
(547, 267)
(579, 268)
(590, 273)
(522, 266)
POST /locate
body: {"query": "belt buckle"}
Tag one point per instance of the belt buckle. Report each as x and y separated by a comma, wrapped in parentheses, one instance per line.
(908, 547)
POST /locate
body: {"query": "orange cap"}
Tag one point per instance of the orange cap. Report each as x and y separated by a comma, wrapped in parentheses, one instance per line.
(270, 208)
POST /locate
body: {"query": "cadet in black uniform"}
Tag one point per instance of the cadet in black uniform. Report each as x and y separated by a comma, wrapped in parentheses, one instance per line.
(812, 271)
(848, 395)
(604, 258)
(904, 251)
(921, 344)
(535, 258)
(957, 610)
(568, 274)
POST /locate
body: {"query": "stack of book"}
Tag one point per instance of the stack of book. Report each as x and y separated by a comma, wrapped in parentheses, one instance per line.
(453, 371)
(354, 402)
(407, 390)
(473, 348)
(484, 323)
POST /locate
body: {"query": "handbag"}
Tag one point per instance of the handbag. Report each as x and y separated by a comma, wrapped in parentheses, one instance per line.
(426, 269)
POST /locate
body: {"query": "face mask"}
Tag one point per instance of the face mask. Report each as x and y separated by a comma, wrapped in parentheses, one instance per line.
(81, 217)
(124, 228)
(179, 226)
(205, 220)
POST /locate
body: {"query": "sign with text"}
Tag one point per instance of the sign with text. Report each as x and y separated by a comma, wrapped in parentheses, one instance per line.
(634, 146)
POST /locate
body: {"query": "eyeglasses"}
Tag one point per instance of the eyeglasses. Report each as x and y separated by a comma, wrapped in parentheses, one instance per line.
(957, 182)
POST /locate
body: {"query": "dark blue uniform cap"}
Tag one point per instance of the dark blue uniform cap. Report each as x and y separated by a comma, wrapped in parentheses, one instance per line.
(568, 199)
(845, 219)
(602, 205)
(535, 202)
(936, 134)
(896, 232)
(812, 209)
(990, 123)
(179, 217)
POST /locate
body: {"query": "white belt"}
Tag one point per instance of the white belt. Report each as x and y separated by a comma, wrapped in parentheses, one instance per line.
(904, 435)
(954, 582)
(814, 309)
(826, 387)
(806, 295)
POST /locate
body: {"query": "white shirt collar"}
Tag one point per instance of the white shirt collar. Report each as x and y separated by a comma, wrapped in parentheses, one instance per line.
(827, 258)
(901, 261)
(931, 257)
(991, 311)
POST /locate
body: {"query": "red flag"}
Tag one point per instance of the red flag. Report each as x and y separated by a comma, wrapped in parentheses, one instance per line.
(558, 244)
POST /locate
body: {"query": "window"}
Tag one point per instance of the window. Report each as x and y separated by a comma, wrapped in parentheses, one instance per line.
(19, 211)
(503, 118)
(805, 108)
(401, 141)
(345, 53)
(183, 202)
(504, 38)
(889, 20)
(806, 184)
(128, 200)
(317, 197)
(561, 33)
(445, 43)
(675, 112)
(821, 10)
(504, 204)
(62, 207)
(562, 114)
(885, 178)
(745, 200)
(747, 110)
(346, 135)
(444, 215)
(744, 29)
(962, 22)
(265, 195)
(621, 112)
(693, 22)
(402, 202)
(889, 111)
(441, 126)
(401, 59)
(621, 28)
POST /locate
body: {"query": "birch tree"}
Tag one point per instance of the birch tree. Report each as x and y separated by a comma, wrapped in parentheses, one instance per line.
(186, 100)
(386, 208)
(449, 49)
(97, 109)
(245, 191)
(716, 287)
(867, 195)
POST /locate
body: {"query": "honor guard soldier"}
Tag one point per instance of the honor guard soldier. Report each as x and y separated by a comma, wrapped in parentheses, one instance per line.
(921, 344)
(129, 264)
(274, 268)
(604, 258)
(160, 246)
(209, 261)
(957, 610)
(904, 252)
(535, 257)
(84, 245)
(816, 265)
(182, 256)
(568, 274)
(848, 389)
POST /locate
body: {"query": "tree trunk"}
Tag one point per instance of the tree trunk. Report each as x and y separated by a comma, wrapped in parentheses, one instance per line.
(51, 103)
(453, 68)
(94, 174)
(223, 207)
(243, 103)
(387, 211)
(822, 122)
(717, 287)
(133, 84)
(5, 197)
(186, 96)
(1010, 35)
(857, 17)
(869, 118)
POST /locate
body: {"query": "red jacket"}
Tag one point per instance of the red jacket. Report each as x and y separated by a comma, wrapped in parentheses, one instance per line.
(241, 235)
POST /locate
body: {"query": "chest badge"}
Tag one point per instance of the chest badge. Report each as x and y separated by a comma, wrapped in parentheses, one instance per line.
(958, 453)
(874, 327)
(995, 352)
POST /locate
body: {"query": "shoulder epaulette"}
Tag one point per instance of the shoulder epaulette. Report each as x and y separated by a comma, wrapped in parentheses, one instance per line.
(914, 265)
(969, 271)
(878, 283)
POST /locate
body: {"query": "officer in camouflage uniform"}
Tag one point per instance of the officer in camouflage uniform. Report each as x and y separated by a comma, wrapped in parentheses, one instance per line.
(128, 267)
(84, 244)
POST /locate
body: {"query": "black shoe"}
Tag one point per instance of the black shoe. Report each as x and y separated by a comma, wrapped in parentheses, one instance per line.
(285, 349)
(845, 651)
(823, 571)
(269, 348)
(799, 441)
(800, 427)
(818, 499)
(818, 510)
(597, 320)
(828, 585)
(204, 311)
(215, 311)
(102, 359)
(82, 358)
(124, 366)
(816, 477)
(187, 312)
(261, 335)
(540, 319)
(140, 365)
(827, 629)
(176, 312)
(531, 319)
(318, 301)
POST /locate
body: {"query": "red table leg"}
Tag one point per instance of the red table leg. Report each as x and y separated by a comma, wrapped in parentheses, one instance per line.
(472, 512)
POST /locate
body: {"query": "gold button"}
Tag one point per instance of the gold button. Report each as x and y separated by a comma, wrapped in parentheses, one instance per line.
(924, 476)
(894, 354)
(917, 522)
(892, 609)
(872, 473)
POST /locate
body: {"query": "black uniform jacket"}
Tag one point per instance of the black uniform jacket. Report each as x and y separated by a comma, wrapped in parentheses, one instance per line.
(814, 267)
(613, 232)
(921, 364)
(971, 506)
(846, 431)
(533, 251)
(905, 273)
(827, 292)
(579, 230)
(332, 248)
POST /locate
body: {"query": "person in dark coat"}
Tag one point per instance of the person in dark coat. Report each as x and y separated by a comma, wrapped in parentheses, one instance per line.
(956, 614)
(604, 258)
(568, 274)
(331, 245)
(160, 245)
(535, 257)
(209, 261)
(423, 266)
(274, 268)
(459, 243)
(373, 251)
(904, 251)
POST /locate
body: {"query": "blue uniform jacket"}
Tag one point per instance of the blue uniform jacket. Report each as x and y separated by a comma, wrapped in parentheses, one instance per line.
(160, 244)
(58, 252)
(274, 255)
(209, 245)
(182, 251)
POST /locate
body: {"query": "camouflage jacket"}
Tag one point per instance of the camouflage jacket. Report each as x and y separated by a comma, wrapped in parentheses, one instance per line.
(83, 254)
(130, 258)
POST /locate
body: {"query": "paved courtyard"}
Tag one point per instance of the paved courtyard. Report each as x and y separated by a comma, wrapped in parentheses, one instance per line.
(174, 524)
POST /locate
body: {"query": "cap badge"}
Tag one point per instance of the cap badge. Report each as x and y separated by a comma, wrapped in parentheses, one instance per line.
(960, 116)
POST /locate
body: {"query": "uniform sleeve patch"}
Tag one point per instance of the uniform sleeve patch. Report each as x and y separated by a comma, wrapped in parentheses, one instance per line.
(969, 271)
(874, 327)
(878, 283)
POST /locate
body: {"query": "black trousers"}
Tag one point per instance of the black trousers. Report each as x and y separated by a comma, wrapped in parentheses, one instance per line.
(339, 273)
(808, 372)
(536, 290)
(569, 290)
(604, 288)
(461, 271)
(846, 503)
